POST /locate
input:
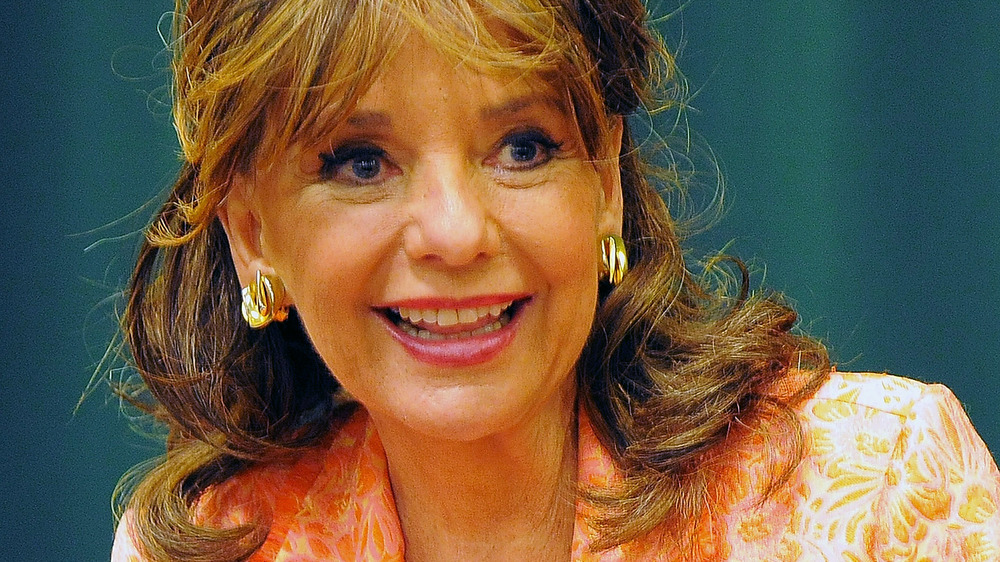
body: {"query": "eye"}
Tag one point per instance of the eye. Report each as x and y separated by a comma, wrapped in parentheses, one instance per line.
(525, 150)
(359, 164)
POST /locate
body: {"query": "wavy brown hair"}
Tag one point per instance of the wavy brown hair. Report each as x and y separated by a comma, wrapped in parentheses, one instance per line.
(670, 364)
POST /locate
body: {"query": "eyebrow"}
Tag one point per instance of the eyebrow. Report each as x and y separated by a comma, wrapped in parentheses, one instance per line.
(517, 105)
(370, 120)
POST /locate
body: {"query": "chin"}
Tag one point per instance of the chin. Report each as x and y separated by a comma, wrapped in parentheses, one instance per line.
(465, 414)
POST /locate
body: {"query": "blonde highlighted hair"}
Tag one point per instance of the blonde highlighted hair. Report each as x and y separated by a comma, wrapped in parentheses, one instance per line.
(669, 365)
(252, 77)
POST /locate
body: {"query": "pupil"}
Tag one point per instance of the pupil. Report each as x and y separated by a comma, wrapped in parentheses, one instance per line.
(524, 152)
(366, 168)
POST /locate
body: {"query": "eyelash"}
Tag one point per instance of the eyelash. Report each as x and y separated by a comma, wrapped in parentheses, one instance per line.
(334, 162)
(368, 162)
(537, 139)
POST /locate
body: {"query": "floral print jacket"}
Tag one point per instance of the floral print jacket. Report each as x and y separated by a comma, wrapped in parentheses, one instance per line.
(893, 471)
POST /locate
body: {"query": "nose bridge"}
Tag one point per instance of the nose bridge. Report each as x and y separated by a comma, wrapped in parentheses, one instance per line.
(450, 216)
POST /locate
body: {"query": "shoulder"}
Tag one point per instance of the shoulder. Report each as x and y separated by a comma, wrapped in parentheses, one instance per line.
(260, 492)
(882, 392)
(884, 416)
(269, 493)
(275, 492)
(898, 467)
(260, 495)
(124, 548)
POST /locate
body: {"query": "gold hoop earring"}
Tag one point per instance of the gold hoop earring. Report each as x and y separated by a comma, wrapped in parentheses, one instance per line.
(260, 301)
(615, 259)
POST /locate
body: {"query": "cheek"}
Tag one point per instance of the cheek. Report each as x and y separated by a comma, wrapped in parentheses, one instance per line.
(560, 234)
(327, 263)
(331, 287)
(323, 247)
(563, 230)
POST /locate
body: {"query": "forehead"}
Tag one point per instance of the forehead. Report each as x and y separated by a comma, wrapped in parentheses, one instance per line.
(525, 49)
(421, 76)
(420, 70)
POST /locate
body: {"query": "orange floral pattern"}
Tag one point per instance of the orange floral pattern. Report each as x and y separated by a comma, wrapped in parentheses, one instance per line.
(893, 471)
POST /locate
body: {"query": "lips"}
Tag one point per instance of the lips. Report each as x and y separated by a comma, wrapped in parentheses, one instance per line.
(454, 336)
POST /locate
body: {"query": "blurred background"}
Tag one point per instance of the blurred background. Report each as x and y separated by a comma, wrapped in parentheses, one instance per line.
(860, 142)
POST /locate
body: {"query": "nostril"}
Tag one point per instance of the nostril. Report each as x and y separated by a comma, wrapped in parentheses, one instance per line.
(451, 218)
(450, 244)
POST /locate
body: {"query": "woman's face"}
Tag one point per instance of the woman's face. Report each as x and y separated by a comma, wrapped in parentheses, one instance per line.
(441, 247)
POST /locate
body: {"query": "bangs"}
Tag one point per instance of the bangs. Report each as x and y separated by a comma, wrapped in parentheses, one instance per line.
(347, 51)
(251, 80)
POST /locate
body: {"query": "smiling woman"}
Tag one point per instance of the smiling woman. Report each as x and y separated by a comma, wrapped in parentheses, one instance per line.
(432, 208)
(450, 190)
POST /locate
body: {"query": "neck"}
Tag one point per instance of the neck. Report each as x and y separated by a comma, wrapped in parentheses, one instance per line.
(509, 496)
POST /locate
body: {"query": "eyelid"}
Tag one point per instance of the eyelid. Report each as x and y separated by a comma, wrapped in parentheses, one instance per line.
(350, 151)
(545, 142)
(332, 162)
(531, 133)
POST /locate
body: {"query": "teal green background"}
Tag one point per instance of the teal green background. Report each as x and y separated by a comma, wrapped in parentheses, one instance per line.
(860, 142)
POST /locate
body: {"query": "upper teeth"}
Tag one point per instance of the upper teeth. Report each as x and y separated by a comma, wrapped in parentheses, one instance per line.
(452, 316)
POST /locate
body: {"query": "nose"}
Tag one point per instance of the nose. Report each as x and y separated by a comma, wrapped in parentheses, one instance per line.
(450, 220)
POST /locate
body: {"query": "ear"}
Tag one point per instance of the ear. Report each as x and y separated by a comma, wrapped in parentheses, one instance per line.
(611, 181)
(239, 217)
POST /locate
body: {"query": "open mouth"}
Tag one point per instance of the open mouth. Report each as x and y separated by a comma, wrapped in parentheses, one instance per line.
(453, 323)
